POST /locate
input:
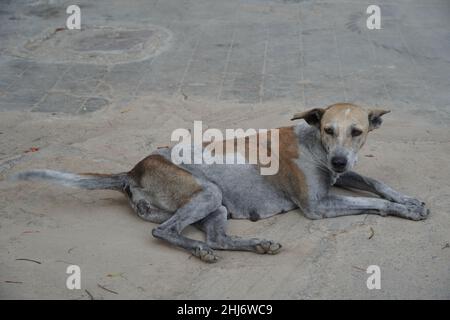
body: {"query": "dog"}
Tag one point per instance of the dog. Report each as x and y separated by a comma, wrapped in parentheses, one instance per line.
(313, 156)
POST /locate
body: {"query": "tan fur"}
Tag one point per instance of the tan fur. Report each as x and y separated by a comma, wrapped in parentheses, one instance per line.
(290, 177)
(338, 112)
(342, 117)
(168, 185)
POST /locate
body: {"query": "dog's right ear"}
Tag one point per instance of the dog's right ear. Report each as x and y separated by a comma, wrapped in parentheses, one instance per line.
(312, 117)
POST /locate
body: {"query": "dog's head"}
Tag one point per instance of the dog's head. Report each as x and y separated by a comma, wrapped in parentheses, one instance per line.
(343, 131)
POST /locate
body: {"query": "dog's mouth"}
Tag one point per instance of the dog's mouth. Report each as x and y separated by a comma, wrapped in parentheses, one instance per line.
(338, 172)
(340, 165)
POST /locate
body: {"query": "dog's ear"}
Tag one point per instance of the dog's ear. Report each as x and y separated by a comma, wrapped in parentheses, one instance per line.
(312, 117)
(375, 120)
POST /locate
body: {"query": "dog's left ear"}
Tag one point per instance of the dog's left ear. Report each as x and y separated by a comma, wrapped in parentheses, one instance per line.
(312, 117)
(375, 120)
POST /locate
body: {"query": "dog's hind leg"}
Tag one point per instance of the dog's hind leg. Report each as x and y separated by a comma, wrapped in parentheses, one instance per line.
(214, 226)
(201, 205)
(143, 208)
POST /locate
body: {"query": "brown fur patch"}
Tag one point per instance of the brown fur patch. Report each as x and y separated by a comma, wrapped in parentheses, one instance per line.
(165, 182)
(290, 177)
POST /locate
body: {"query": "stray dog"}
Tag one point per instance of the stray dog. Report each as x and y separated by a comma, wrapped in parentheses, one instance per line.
(312, 158)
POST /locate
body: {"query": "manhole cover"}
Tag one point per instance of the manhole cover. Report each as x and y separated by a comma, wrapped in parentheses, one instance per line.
(97, 45)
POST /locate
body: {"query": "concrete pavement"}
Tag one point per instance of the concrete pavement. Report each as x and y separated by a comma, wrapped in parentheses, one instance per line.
(89, 104)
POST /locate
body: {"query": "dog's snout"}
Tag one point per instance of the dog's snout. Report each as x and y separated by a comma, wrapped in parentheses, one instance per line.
(339, 163)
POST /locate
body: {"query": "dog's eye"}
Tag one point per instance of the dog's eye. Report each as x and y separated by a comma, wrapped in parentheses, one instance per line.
(329, 131)
(356, 132)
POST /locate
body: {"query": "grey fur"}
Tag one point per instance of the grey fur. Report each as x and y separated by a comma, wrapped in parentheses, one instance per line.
(82, 181)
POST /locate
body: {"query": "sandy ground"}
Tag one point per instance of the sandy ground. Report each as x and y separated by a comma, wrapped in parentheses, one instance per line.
(98, 231)
(236, 63)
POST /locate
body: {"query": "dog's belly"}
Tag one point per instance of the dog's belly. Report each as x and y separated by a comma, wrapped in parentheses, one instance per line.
(246, 193)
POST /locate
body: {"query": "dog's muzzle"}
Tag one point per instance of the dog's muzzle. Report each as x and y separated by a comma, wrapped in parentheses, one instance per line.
(339, 163)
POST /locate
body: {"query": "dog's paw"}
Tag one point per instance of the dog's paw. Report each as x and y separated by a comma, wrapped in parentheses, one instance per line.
(410, 201)
(206, 255)
(269, 247)
(417, 211)
(409, 211)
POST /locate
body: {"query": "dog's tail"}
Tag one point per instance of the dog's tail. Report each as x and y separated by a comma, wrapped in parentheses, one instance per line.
(90, 181)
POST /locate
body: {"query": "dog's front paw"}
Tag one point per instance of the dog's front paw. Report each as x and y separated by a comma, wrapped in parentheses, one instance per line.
(417, 211)
(408, 211)
(410, 201)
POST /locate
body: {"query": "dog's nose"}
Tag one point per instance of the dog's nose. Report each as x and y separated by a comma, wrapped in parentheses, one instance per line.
(339, 162)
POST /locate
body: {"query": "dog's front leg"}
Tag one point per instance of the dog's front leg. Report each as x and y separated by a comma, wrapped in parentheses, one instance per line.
(354, 180)
(331, 206)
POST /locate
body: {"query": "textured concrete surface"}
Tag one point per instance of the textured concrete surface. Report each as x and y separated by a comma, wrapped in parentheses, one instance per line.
(247, 63)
